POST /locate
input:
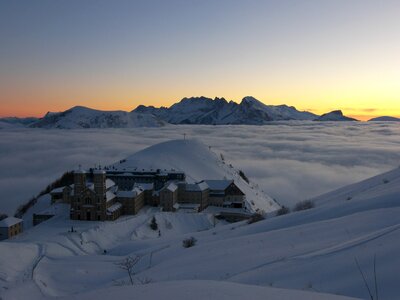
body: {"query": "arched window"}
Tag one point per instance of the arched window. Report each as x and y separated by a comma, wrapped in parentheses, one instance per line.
(88, 200)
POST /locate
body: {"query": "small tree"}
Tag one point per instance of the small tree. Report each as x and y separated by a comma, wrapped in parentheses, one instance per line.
(241, 174)
(128, 265)
(283, 211)
(257, 217)
(153, 224)
(303, 205)
(189, 242)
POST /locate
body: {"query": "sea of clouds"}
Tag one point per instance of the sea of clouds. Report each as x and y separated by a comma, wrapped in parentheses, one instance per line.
(290, 161)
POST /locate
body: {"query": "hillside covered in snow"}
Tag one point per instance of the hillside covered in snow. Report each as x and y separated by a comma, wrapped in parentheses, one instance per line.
(304, 254)
(199, 162)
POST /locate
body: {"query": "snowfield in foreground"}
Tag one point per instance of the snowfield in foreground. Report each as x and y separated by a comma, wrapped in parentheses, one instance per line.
(312, 251)
(201, 290)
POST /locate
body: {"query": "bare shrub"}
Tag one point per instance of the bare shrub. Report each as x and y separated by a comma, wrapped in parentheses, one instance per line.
(153, 224)
(128, 265)
(189, 242)
(244, 177)
(283, 211)
(257, 217)
(303, 205)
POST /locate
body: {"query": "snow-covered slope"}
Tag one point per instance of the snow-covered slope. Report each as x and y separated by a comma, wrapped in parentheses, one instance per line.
(83, 117)
(202, 110)
(199, 162)
(203, 290)
(385, 119)
(315, 250)
(384, 187)
(336, 115)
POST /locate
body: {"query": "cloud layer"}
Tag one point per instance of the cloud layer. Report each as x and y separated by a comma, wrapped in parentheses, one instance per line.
(289, 162)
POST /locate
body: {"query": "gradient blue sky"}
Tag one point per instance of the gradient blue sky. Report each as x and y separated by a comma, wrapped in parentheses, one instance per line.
(314, 54)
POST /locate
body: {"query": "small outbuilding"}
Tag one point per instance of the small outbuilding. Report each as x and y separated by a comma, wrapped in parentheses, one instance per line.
(10, 227)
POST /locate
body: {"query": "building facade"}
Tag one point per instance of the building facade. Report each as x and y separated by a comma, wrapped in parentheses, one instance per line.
(10, 227)
(169, 197)
(93, 201)
(225, 193)
(103, 199)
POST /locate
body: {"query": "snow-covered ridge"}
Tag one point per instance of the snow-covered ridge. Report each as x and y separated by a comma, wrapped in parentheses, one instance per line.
(83, 117)
(218, 111)
(194, 110)
(199, 162)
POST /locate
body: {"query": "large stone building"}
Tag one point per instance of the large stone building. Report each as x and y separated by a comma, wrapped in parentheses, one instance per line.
(101, 200)
(101, 195)
(10, 227)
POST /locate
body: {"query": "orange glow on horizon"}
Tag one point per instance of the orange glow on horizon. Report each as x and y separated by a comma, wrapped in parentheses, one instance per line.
(17, 110)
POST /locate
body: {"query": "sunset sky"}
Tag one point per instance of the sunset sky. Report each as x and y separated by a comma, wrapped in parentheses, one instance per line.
(313, 54)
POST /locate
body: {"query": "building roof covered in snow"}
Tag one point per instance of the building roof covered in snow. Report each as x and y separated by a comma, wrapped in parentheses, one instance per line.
(109, 183)
(130, 194)
(196, 187)
(218, 185)
(10, 221)
(145, 186)
(172, 187)
(114, 207)
(57, 190)
(99, 171)
(110, 196)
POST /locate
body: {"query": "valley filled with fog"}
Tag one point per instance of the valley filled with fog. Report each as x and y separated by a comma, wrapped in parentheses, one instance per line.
(289, 161)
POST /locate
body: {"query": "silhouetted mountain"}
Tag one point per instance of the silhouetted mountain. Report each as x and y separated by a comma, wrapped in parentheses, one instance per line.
(218, 111)
(336, 115)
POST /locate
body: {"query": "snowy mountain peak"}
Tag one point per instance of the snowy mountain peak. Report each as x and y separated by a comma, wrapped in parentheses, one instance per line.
(252, 102)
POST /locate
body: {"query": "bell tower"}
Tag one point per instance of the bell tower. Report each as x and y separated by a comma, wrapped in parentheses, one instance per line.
(99, 180)
(79, 182)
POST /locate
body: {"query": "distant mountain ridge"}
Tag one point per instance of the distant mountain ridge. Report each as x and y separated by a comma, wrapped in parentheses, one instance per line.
(218, 111)
(384, 119)
(83, 117)
(336, 115)
(194, 110)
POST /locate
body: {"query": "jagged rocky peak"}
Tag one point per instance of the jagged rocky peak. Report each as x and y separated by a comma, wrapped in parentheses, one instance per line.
(336, 112)
(202, 99)
(336, 115)
(251, 101)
